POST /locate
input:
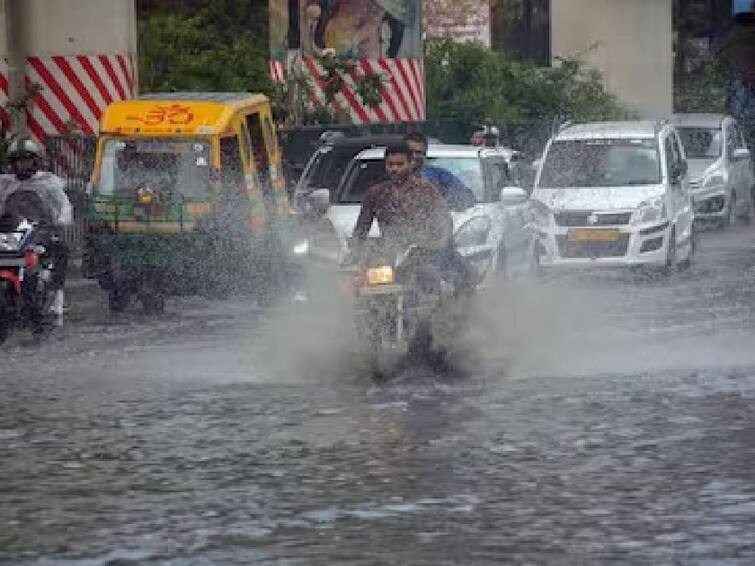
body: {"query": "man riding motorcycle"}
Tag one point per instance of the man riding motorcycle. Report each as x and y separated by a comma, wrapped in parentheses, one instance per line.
(25, 161)
(410, 210)
(458, 196)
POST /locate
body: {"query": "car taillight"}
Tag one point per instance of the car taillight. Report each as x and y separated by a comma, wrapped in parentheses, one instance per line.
(31, 259)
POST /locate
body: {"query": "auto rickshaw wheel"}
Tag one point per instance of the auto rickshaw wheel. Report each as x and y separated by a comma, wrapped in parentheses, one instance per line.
(118, 300)
(153, 304)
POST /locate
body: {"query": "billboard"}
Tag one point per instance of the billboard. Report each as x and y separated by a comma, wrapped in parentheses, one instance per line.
(358, 29)
(460, 20)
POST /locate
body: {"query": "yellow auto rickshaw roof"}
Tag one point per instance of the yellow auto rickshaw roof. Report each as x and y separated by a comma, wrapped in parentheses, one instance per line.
(176, 113)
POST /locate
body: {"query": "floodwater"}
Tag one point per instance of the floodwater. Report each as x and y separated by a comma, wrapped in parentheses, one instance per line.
(589, 418)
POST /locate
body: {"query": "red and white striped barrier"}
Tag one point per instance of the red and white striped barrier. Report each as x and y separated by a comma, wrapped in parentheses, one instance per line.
(402, 91)
(74, 90)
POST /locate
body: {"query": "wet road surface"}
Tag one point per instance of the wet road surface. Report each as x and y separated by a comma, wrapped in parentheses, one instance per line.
(589, 418)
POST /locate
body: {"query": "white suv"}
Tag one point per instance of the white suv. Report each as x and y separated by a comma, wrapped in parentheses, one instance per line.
(720, 167)
(614, 194)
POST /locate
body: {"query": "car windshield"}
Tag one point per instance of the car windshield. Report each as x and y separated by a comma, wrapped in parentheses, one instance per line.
(362, 176)
(328, 168)
(371, 171)
(701, 143)
(601, 163)
(467, 169)
(176, 166)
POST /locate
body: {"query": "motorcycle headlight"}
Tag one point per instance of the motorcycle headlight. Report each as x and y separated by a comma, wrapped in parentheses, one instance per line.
(383, 275)
(540, 214)
(473, 232)
(10, 242)
(716, 179)
(650, 211)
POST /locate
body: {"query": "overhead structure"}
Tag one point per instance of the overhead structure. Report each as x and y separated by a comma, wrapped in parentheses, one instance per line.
(382, 38)
(69, 59)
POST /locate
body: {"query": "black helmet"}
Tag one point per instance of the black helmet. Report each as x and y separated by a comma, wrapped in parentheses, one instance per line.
(21, 148)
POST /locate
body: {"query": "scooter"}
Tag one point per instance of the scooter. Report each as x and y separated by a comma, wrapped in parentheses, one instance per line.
(26, 296)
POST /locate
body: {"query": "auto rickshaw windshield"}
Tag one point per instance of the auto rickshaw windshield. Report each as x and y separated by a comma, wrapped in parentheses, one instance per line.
(176, 166)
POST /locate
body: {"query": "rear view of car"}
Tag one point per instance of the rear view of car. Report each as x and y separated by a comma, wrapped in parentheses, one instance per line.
(721, 177)
(613, 194)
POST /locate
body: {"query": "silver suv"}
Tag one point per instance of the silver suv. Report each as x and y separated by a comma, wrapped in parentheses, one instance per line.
(720, 166)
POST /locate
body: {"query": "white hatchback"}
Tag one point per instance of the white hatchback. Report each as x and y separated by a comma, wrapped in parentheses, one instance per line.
(614, 194)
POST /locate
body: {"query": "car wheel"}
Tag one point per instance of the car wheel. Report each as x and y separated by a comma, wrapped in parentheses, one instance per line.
(671, 253)
(502, 264)
(687, 263)
(118, 300)
(746, 216)
(153, 304)
(726, 220)
(535, 268)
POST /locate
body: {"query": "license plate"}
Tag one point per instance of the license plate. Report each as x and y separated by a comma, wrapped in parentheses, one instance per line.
(594, 235)
(379, 290)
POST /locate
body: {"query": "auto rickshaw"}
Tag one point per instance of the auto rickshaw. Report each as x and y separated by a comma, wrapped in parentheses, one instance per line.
(186, 197)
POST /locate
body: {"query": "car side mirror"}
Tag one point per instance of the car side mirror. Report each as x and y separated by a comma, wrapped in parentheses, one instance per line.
(319, 200)
(741, 154)
(513, 195)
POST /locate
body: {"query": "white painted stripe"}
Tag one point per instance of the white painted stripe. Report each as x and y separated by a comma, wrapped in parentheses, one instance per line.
(49, 96)
(83, 76)
(394, 74)
(102, 73)
(352, 85)
(407, 86)
(72, 93)
(119, 74)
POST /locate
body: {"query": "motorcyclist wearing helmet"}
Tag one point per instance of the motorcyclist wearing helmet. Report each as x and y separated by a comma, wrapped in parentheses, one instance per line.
(25, 159)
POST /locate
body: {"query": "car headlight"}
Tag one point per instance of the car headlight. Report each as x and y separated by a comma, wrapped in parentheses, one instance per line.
(717, 179)
(473, 232)
(650, 211)
(10, 242)
(541, 215)
(301, 248)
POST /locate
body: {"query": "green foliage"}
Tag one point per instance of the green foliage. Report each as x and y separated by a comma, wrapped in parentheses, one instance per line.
(223, 47)
(468, 83)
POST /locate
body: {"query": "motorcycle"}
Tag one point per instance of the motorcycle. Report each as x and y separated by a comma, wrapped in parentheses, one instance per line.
(26, 296)
(406, 308)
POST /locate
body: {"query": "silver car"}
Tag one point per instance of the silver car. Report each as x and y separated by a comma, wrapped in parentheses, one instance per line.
(720, 167)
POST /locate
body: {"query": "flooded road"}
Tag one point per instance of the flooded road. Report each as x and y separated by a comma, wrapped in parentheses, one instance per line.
(589, 418)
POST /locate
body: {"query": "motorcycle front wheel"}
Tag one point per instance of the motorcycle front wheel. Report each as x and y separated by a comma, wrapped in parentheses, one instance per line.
(7, 314)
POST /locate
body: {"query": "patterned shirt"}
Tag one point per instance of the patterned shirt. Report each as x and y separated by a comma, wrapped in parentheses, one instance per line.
(412, 212)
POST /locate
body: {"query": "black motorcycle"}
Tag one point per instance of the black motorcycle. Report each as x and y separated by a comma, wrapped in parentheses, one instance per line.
(26, 267)
(406, 306)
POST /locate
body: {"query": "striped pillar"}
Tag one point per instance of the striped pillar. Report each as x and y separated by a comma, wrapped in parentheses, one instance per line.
(74, 90)
(402, 92)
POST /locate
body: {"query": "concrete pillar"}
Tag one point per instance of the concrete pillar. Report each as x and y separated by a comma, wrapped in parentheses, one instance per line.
(15, 56)
(80, 53)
